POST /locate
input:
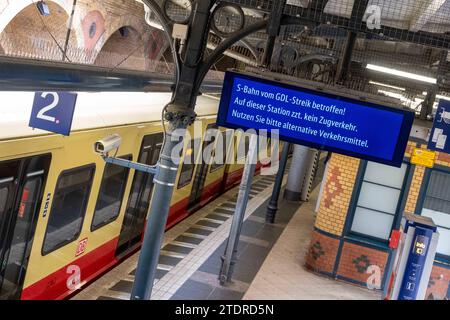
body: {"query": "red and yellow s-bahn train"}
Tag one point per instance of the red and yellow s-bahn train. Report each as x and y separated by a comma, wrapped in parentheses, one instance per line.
(64, 211)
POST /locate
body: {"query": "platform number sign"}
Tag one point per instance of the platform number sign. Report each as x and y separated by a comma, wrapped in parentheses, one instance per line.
(53, 111)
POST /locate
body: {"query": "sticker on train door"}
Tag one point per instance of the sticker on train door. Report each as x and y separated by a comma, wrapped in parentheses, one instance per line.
(23, 203)
(81, 248)
(47, 201)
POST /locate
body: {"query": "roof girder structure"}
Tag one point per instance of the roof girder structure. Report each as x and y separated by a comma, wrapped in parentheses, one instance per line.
(317, 13)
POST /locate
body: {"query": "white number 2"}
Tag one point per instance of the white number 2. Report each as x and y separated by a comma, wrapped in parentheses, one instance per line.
(41, 114)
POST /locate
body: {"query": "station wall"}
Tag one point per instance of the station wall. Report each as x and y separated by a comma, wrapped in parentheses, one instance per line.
(350, 242)
(103, 33)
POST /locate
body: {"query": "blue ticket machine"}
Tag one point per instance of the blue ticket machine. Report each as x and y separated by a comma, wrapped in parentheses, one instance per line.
(415, 257)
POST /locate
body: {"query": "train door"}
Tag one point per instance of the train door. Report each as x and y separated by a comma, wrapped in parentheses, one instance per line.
(202, 169)
(21, 187)
(140, 195)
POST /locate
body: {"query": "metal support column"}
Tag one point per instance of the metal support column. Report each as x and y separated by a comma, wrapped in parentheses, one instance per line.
(344, 63)
(229, 257)
(297, 173)
(69, 30)
(272, 207)
(159, 211)
(273, 30)
(355, 23)
(427, 104)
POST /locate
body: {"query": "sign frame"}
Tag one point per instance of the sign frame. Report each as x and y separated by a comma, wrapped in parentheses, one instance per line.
(403, 136)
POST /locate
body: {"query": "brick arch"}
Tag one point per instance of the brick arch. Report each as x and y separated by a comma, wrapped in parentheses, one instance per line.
(118, 46)
(115, 24)
(27, 33)
(16, 6)
(93, 27)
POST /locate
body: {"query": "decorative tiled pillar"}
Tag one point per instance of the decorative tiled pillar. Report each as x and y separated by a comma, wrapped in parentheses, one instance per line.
(332, 213)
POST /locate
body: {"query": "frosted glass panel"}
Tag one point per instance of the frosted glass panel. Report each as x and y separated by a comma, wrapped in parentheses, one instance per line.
(439, 218)
(439, 186)
(378, 197)
(372, 223)
(444, 242)
(437, 207)
(385, 175)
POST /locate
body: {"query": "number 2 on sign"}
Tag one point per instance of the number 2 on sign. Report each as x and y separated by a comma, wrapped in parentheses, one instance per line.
(41, 114)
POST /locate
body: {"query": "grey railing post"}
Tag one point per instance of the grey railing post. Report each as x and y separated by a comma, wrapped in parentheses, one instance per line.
(272, 207)
(229, 258)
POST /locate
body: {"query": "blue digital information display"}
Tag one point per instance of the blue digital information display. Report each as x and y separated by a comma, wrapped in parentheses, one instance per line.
(316, 119)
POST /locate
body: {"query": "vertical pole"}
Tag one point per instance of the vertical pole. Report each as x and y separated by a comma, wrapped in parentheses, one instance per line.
(297, 173)
(164, 182)
(344, 63)
(268, 51)
(273, 29)
(389, 269)
(427, 104)
(272, 207)
(229, 258)
(66, 44)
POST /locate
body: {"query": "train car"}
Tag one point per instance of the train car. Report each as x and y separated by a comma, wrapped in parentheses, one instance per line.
(66, 215)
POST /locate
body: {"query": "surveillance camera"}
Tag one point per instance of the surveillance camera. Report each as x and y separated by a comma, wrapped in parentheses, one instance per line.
(107, 144)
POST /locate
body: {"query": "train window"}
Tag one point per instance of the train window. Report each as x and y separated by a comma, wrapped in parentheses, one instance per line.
(220, 159)
(22, 236)
(4, 192)
(110, 195)
(139, 196)
(436, 205)
(187, 170)
(68, 208)
(242, 147)
(3, 199)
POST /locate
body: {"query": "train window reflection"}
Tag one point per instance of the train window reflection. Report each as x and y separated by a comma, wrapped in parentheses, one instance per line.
(111, 194)
(219, 159)
(187, 170)
(68, 208)
(3, 199)
(22, 235)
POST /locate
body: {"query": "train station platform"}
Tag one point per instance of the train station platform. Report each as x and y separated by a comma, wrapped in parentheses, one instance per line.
(270, 256)
(283, 275)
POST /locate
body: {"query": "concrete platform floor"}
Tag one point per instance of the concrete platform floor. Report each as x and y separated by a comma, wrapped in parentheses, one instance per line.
(283, 275)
